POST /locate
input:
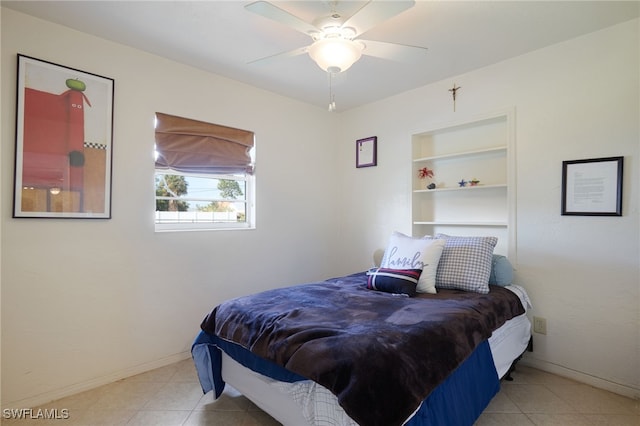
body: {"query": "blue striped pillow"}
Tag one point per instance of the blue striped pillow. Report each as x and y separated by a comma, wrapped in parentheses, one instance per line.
(396, 281)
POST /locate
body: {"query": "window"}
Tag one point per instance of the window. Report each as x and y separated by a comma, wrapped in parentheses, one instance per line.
(204, 175)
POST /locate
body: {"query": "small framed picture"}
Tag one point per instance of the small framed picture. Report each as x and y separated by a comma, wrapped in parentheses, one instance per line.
(64, 128)
(592, 187)
(366, 155)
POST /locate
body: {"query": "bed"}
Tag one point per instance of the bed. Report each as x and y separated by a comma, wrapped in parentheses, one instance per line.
(366, 348)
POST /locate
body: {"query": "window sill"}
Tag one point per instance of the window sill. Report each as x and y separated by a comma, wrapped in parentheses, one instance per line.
(190, 227)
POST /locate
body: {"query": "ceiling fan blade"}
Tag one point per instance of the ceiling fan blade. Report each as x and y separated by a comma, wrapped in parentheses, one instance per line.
(288, 54)
(374, 12)
(273, 12)
(393, 51)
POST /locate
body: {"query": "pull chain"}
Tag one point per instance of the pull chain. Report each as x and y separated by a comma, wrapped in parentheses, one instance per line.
(332, 98)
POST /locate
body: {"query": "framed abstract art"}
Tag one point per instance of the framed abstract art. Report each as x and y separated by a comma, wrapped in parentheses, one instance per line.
(64, 141)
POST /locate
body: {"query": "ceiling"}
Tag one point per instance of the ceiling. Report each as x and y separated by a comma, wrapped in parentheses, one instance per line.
(222, 37)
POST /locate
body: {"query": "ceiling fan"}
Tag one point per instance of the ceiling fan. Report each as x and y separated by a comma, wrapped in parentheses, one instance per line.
(336, 44)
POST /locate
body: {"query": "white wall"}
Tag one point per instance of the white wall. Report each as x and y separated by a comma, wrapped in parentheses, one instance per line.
(88, 301)
(578, 99)
(2, 125)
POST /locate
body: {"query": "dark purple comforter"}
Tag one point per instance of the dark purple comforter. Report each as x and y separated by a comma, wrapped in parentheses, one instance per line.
(380, 354)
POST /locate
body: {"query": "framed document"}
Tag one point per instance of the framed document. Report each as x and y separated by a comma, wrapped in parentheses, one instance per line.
(592, 187)
(366, 155)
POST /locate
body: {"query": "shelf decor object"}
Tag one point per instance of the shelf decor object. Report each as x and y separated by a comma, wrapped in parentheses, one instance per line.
(592, 187)
(366, 152)
(425, 173)
(64, 128)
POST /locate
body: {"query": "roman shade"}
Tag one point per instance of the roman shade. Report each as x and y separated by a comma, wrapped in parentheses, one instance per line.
(192, 146)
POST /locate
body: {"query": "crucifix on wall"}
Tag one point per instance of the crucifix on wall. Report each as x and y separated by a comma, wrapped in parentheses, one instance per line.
(453, 91)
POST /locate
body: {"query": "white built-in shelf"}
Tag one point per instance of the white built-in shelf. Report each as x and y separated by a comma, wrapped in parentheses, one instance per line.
(461, 154)
(461, 188)
(480, 147)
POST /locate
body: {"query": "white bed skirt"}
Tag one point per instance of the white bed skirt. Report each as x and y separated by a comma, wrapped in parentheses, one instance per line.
(307, 403)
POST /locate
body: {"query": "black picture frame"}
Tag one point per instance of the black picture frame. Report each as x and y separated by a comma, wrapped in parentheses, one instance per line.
(592, 187)
(64, 140)
(366, 152)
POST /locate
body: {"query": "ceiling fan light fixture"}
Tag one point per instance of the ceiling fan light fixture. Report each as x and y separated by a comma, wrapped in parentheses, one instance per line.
(334, 54)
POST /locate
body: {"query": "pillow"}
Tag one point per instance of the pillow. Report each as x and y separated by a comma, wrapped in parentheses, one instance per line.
(396, 281)
(501, 271)
(404, 252)
(466, 263)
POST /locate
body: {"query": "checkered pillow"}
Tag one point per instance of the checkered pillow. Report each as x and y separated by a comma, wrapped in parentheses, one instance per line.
(465, 263)
(397, 281)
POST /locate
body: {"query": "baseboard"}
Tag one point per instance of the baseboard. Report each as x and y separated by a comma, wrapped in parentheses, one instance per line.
(528, 361)
(53, 395)
(596, 382)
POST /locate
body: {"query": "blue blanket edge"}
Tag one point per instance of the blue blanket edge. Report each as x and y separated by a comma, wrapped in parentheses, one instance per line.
(458, 401)
(208, 360)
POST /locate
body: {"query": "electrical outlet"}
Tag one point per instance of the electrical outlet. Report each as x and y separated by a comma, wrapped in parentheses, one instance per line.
(540, 325)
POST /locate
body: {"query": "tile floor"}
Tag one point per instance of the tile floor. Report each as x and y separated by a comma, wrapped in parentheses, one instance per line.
(171, 395)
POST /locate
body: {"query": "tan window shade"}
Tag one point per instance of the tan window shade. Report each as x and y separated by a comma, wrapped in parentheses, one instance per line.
(192, 146)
